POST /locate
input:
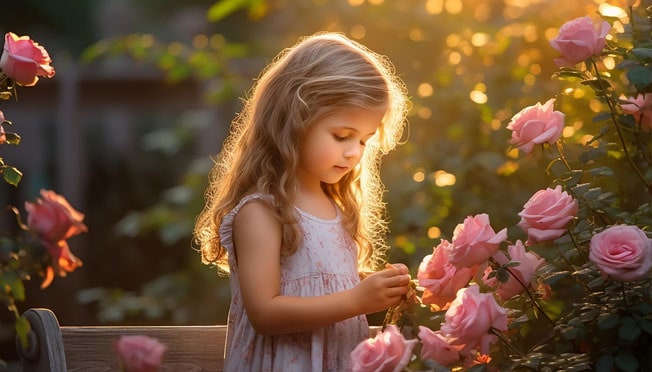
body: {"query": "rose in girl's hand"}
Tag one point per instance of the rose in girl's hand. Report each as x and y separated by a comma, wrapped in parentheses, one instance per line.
(471, 317)
(388, 351)
(535, 125)
(622, 252)
(474, 241)
(437, 348)
(24, 60)
(578, 40)
(140, 353)
(546, 214)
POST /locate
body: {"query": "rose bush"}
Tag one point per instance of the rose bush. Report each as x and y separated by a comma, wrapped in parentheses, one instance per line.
(38, 248)
(389, 351)
(569, 288)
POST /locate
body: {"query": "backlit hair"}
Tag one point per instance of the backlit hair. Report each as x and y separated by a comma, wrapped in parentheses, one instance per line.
(320, 75)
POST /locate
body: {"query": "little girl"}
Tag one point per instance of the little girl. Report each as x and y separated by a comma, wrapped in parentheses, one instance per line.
(294, 208)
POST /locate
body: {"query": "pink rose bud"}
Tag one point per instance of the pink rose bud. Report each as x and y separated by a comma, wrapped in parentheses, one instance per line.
(520, 275)
(474, 241)
(24, 60)
(641, 109)
(622, 252)
(471, 317)
(535, 125)
(545, 216)
(388, 351)
(53, 218)
(578, 40)
(436, 347)
(140, 353)
(439, 279)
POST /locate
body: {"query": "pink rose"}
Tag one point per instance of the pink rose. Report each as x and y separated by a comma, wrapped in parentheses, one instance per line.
(140, 353)
(535, 125)
(622, 252)
(437, 348)
(470, 318)
(53, 218)
(3, 137)
(529, 262)
(545, 216)
(24, 60)
(439, 278)
(63, 261)
(474, 241)
(388, 351)
(641, 108)
(578, 40)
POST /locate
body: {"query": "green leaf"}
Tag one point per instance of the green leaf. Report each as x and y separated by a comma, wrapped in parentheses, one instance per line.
(640, 76)
(629, 330)
(626, 362)
(608, 321)
(603, 116)
(224, 8)
(11, 175)
(605, 363)
(646, 325)
(643, 52)
(22, 328)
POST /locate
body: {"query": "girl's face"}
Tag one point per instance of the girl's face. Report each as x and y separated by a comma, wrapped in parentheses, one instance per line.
(334, 145)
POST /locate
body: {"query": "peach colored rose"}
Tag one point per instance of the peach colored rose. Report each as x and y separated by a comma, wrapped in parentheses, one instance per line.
(641, 109)
(578, 40)
(622, 252)
(388, 351)
(140, 353)
(470, 318)
(439, 278)
(535, 125)
(436, 347)
(474, 241)
(53, 218)
(529, 262)
(63, 261)
(24, 60)
(545, 216)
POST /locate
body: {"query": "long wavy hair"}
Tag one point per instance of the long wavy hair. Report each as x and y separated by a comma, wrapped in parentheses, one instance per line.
(318, 76)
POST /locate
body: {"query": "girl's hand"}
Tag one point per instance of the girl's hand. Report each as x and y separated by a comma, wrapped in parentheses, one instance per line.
(382, 289)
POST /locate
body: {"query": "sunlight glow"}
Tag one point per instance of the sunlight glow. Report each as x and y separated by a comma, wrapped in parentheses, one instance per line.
(478, 97)
(530, 33)
(419, 176)
(609, 63)
(585, 139)
(595, 105)
(356, 2)
(482, 12)
(424, 113)
(434, 6)
(568, 132)
(453, 40)
(453, 6)
(443, 178)
(425, 90)
(217, 41)
(454, 58)
(358, 32)
(376, 2)
(480, 39)
(434, 232)
(609, 10)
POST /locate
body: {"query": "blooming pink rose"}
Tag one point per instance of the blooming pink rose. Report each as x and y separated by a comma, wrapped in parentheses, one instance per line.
(622, 252)
(535, 125)
(63, 261)
(388, 351)
(529, 262)
(140, 353)
(641, 108)
(474, 241)
(24, 60)
(545, 216)
(470, 318)
(439, 278)
(437, 348)
(578, 40)
(53, 217)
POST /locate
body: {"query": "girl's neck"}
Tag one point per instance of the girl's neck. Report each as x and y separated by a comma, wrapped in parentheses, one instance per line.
(316, 202)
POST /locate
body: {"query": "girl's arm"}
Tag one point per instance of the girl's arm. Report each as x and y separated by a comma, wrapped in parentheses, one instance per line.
(257, 237)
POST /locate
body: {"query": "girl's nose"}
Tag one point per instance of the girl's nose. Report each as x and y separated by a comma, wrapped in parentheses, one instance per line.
(354, 151)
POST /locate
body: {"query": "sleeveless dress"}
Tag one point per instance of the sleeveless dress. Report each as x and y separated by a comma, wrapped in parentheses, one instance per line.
(324, 263)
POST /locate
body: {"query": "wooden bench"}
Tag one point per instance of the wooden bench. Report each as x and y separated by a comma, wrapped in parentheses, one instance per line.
(53, 348)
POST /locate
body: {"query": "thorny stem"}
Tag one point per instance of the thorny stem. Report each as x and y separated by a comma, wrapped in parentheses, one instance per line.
(532, 299)
(496, 332)
(619, 131)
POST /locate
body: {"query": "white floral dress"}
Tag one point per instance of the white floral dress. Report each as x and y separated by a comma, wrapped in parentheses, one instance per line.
(325, 263)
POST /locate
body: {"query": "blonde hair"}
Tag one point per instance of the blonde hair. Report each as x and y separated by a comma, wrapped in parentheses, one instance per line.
(318, 76)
